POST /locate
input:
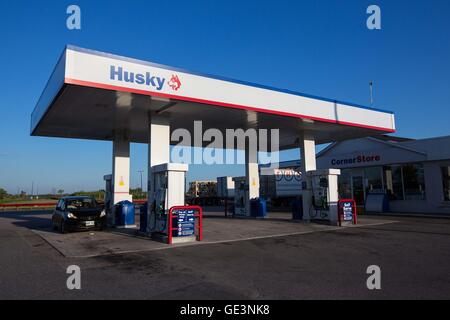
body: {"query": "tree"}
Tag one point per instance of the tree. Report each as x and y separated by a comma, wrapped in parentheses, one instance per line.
(3, 193)
(60, 192)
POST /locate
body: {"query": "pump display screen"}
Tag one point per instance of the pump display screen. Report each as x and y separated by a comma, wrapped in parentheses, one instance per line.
(185, 222)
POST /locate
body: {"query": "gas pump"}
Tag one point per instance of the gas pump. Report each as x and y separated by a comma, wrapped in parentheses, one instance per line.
(320, 192)
(324, 194)
(240, 196)
(167, 189)
(158, 212)
(109, 199)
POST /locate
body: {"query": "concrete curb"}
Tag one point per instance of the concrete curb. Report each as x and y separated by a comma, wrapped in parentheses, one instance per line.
(410, 215)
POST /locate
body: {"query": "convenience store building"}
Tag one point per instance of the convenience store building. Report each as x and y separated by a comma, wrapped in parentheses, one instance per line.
(413, 174)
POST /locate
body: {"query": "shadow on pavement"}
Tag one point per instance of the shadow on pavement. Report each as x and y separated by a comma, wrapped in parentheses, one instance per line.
(34, 220)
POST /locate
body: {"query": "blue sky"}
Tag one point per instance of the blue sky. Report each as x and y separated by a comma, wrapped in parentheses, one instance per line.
(316, 47)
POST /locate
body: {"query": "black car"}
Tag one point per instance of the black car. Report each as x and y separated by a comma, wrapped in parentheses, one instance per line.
(78, 213)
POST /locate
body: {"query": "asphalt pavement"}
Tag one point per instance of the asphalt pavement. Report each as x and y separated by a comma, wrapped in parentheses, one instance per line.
(413, 255)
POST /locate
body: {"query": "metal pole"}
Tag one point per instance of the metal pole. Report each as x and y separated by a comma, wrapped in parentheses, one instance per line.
(226, 207)
(371, 92)
(141, 172)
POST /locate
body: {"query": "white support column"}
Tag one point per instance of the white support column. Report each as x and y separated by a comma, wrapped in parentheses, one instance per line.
(158, 149)
(333, 195)
(251, 175)
(308, 163)
(120, 172)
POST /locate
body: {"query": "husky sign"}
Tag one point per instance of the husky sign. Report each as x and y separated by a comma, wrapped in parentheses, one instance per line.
(147, 79)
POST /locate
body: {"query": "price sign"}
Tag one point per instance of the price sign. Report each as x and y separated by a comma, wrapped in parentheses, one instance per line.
(185, 222)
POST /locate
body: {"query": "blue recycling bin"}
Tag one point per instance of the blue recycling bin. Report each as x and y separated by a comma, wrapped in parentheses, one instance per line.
(258, 208)
(143, 218)
(124, 213)
(297, 209)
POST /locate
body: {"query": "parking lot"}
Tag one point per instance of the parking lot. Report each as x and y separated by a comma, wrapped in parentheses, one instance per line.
(217, 229)
(250, 259)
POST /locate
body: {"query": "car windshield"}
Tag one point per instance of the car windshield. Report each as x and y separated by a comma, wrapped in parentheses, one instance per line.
(81, 203)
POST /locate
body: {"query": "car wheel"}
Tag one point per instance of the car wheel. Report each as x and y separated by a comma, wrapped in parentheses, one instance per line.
(62, 227)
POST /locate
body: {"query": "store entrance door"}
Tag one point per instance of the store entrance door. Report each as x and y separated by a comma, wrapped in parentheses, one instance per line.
(358, 189)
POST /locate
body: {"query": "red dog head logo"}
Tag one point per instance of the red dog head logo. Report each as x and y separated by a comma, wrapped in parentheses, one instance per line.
(174, 82)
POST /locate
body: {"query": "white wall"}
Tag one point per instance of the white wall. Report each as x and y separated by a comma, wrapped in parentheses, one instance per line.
(351, 149)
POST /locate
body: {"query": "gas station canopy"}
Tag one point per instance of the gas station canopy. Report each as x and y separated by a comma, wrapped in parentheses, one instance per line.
(92, 95)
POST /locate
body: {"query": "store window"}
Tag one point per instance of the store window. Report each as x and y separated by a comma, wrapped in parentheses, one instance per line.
(446, 182)
(397, 183)
(345, 187)
(413, 182)
(405, 182)
(373, 178)
(358, 189)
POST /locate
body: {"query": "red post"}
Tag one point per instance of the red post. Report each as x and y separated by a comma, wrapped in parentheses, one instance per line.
(200, 224)
(169, 228)
(339, 214)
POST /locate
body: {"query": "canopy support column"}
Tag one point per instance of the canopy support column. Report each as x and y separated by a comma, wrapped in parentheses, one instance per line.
(308, 163)
(120, 172)
(251, 175)
(158, 151)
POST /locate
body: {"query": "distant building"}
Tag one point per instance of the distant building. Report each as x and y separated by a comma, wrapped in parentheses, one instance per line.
(202, 188)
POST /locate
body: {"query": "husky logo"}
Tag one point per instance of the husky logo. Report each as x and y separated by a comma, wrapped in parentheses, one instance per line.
(148, 79)
(174, 82)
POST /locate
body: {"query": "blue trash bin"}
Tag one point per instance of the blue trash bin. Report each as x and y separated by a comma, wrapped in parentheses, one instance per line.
(297, 209)
(125, 213)
(143, 218)
(258, 208)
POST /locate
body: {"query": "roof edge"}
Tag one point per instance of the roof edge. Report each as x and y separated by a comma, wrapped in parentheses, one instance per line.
(222, 78)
